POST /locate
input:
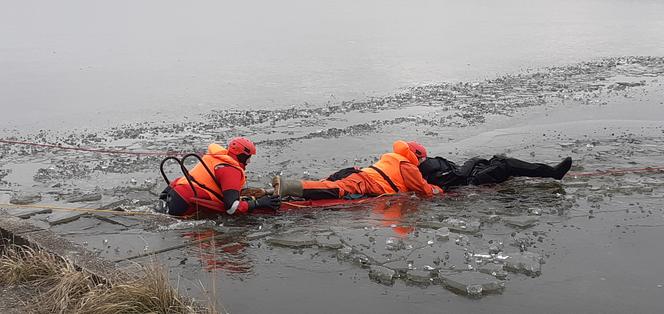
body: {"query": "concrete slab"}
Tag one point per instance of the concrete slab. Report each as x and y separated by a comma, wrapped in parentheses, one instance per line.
(86, 226)
(19, 229)
(25, 213)
(128, 244)
(62, 217)
(12, 227)
(117, 219)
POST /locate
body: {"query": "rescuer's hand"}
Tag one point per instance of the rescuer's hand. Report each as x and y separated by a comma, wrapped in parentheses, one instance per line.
(269, 201)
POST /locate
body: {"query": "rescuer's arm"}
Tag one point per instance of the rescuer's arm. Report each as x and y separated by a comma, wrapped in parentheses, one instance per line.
(412, 178)
(230, 180)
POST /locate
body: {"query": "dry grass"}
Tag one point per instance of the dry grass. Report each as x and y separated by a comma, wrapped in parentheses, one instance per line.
(150, 293)
(68, 290)
(68, 287)
(21, 264)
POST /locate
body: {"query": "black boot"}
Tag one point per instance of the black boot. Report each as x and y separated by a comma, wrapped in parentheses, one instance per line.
(520, 168)
(562, 168)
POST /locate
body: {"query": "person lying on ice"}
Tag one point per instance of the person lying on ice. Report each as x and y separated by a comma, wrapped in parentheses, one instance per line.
(395, 172)
(446, 174)
(220, 190)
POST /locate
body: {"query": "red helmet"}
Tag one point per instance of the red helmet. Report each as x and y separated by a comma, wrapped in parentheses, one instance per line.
(241, 145)
(417, 149)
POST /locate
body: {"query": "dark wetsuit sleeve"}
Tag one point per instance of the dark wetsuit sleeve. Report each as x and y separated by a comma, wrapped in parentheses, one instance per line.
(230, 180)
(230, 197)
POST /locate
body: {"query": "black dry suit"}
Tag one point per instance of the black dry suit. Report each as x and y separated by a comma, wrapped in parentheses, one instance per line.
(446, 174)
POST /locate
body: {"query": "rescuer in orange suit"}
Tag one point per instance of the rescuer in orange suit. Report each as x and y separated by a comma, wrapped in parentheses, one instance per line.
(395, 172)
(219, 192)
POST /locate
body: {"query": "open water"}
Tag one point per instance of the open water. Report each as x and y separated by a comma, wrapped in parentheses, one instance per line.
(77, 63)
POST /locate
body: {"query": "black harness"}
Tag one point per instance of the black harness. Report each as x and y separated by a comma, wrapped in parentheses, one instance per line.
(389, 181)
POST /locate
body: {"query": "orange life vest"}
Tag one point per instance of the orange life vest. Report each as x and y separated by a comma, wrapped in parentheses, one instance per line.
(216, 155)
(390, 165)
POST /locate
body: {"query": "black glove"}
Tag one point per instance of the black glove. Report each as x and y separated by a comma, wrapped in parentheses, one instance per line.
(268, 201)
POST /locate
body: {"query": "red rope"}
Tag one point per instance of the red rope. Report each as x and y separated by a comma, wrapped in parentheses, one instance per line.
(94, 150)
(616, 171)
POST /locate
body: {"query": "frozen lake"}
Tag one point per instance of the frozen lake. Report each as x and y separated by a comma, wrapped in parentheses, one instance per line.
(82, 64)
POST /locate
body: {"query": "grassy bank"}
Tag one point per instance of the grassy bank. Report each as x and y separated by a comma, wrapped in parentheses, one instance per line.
(46, 283)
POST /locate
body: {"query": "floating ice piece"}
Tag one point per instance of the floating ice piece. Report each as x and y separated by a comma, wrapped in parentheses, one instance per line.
(183, 225)
(394, 244)
(461, 225)
(442, 234)
(399, 266)
(483, 257)
(521, 221)
(294, 240)
(495, 248)
(382, 275)
(25, 198)
(630, 84)
(492, 269)
(344, 252)
(472, 283)
(489, 218)
(528, 263)
(461, 239)
(431, 224)
(85, 197)
(360, 259)
(258, 235)
(329, 241)
(419, 276)
(535, 211)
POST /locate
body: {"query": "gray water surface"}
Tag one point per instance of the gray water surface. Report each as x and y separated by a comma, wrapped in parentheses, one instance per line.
(88, 64)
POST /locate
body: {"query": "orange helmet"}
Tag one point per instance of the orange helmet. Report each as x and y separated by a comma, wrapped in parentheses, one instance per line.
(240, 145)
(417, 149)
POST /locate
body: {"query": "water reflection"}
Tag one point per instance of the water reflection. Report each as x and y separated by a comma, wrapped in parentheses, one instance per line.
(218, 254)
(391, 212)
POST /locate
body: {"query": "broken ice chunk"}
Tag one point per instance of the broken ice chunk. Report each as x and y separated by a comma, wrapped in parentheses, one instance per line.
(472, 283)
(521, 221)
(528, 263)
(382, 275)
